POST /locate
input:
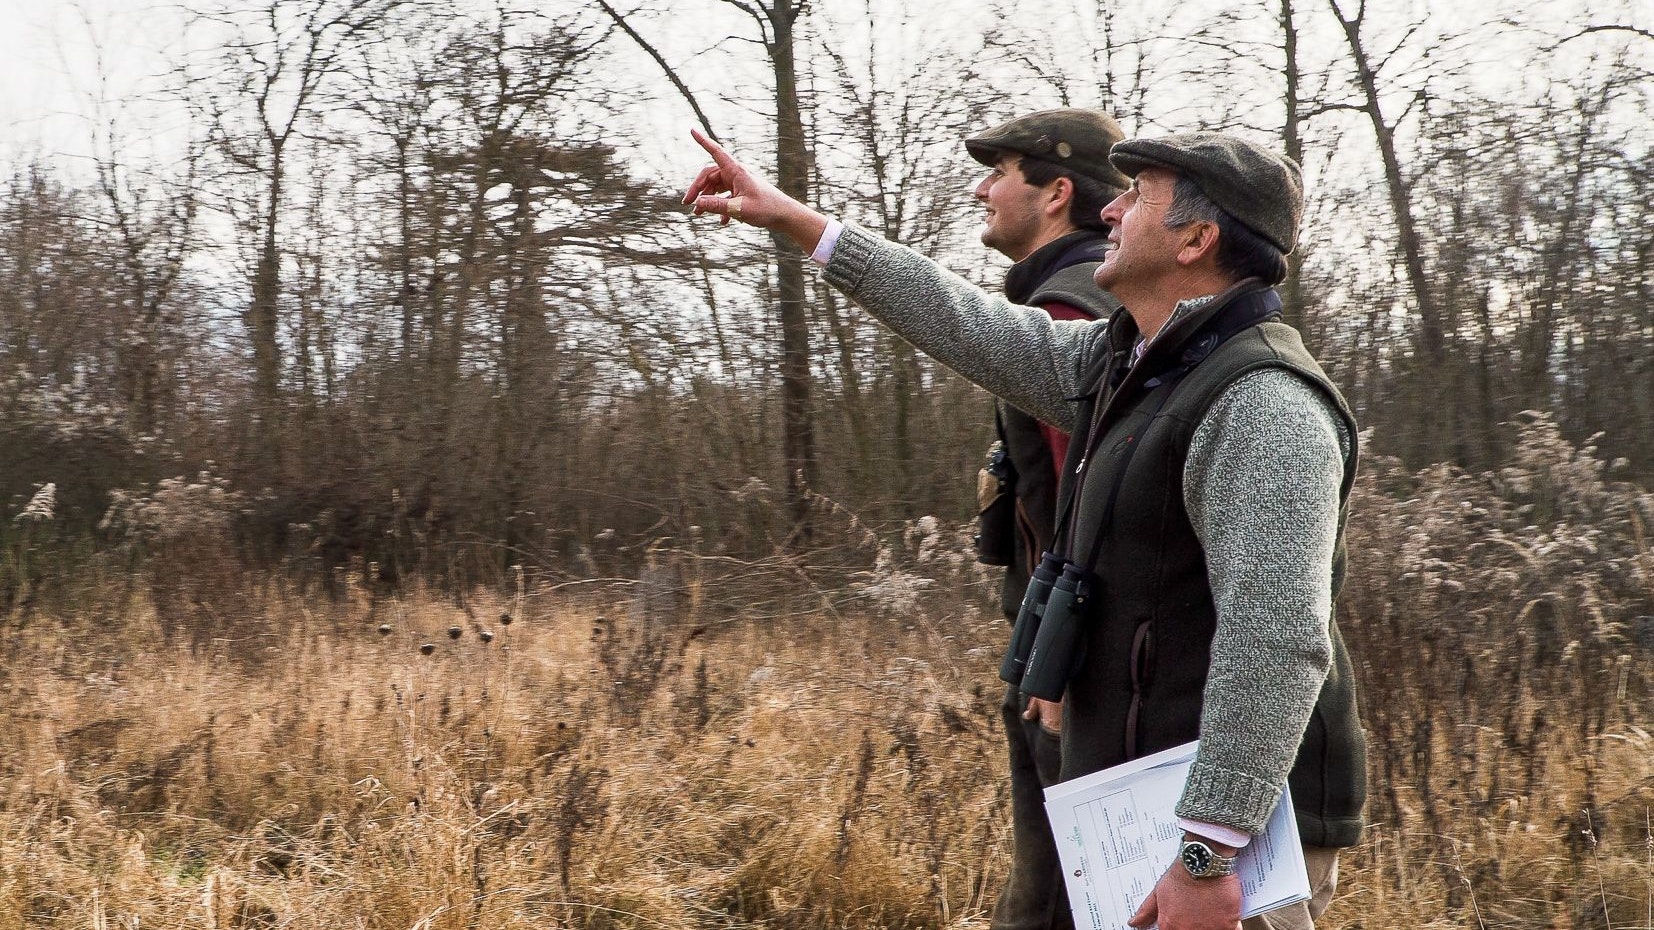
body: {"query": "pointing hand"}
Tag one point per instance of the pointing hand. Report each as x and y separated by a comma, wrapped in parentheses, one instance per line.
(728, 190)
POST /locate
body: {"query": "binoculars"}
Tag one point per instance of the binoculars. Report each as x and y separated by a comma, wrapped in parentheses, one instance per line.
(1045, 648)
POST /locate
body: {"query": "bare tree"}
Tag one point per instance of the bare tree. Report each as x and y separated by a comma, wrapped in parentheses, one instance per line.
(154, 225)
(1431, 337)
(899, 117)
(259, 96)
(777, 22)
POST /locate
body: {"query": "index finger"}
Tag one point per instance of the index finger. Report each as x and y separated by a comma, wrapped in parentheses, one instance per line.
(721, 157)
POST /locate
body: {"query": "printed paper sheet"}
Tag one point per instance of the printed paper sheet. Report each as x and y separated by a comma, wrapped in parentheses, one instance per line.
(1117, 834)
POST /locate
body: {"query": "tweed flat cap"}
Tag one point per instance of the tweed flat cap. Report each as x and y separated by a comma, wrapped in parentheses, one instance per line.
(1072, 138)
(1263, 190)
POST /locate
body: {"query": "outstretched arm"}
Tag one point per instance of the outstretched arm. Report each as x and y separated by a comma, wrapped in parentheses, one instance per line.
(727, 189)
(1018, 353)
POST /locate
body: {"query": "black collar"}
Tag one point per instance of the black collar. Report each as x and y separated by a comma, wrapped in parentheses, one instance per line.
(1186, 341)
(1025, 277)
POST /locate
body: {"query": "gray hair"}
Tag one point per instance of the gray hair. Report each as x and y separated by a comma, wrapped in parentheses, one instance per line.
(1241, 251)
(1191, 205)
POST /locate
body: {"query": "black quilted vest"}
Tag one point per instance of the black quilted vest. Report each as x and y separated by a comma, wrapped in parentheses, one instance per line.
(1148, 635)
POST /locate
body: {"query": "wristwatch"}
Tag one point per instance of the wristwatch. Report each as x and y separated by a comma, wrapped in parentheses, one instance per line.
(1202, 862)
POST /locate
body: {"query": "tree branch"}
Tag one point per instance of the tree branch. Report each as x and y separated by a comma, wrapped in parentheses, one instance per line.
(671, 75)
(1326, 108)
(1611, 27)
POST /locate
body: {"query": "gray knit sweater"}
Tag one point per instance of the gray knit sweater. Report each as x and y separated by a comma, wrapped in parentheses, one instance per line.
(1261, 485)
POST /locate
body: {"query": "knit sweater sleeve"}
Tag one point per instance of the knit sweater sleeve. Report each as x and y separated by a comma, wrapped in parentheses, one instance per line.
(1018, 353)
(1261, 485)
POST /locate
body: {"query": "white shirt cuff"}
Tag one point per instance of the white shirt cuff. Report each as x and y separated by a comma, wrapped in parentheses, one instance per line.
(829, 241)
(1228, 836)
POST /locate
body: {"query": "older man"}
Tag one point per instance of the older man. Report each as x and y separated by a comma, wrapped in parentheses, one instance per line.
(1204, 496)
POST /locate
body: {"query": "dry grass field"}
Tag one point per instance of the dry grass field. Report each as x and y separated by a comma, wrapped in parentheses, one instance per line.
(195, 745)
(581, 769)
(591, 767)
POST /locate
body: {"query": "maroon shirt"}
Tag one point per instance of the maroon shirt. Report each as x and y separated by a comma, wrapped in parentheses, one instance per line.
(1055, 439)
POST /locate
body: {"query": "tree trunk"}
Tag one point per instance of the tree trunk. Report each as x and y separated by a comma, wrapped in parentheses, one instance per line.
(1430, 341)
(792, 177)
(262, 319)
(1292, 290)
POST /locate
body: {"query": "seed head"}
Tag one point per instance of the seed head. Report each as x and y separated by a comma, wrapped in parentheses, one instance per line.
(41, 507)
(455, 632)
(384, 629)
(486, 636)
(426, 649)
(505, 619)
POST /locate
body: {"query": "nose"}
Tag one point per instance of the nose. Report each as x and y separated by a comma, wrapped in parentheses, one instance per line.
(982, 186)
(1115, 209)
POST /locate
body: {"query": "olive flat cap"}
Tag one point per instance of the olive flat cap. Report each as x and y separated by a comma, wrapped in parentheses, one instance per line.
(1263, 190)
(1072, 138)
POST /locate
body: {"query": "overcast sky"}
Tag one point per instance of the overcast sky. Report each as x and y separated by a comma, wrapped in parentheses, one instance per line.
(59, 57)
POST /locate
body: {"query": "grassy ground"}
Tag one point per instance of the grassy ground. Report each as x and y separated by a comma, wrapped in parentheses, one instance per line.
(596, 766)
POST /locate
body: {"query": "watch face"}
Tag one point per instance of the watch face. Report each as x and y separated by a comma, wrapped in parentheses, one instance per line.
(1196, 858)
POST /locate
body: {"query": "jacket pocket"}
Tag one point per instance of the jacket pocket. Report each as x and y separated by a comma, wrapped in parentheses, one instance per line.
(1142, 676)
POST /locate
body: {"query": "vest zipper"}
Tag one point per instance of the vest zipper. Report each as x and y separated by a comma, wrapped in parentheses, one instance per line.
(1092, 442)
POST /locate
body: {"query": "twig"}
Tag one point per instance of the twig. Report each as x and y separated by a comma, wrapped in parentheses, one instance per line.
(1596, 860)
(1648, 847)
(1470, 889)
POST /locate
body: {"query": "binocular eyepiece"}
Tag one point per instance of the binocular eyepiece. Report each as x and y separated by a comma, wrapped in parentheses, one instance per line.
(1045, 648)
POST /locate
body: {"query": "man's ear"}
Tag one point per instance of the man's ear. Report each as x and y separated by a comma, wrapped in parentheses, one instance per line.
(1199, 243)
(1062, 193)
